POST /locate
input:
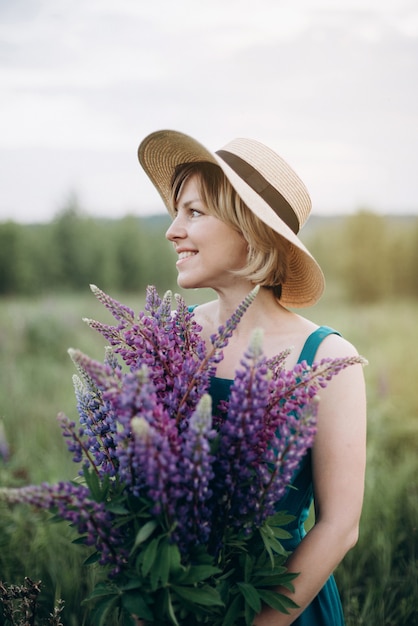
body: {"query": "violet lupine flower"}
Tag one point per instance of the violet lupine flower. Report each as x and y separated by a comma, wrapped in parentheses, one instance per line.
(119, 311)
(243, 441)
(98, 424)
(74, 438)
(220, 339)
(200, 379)
(73, 503)
(326, 369)
(156, 464)
(170, 345)
(4, 446)
(294, 437)
(291, 422)
(193, 511)
(290, 427)
(135, 399)
(167, 343)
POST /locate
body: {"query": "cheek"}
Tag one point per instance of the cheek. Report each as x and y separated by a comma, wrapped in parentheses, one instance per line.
(239, 251)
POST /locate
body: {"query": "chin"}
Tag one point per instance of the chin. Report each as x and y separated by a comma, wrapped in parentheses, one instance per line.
(186, 284)
(190, 284)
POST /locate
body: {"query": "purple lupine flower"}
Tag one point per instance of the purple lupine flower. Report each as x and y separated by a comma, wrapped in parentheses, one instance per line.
(4, 446)
(169, 344)
(291, 422)
(294, 436)
(73, 503)
(193, 510)
(97, 428)
(156, 464)
(243, 440)
(119, 311)
(74, 437)
(136, 399)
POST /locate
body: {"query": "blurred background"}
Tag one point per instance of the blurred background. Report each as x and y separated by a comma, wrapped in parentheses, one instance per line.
(332, 87)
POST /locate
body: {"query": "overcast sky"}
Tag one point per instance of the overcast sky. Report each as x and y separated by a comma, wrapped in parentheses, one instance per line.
(331, 85)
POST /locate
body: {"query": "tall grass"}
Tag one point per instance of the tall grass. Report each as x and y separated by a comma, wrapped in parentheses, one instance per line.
(378, 578)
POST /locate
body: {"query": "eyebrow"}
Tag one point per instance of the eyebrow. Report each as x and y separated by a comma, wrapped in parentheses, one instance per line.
(186, 204)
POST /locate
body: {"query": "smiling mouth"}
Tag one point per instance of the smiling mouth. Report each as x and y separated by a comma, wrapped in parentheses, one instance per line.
(186, 255)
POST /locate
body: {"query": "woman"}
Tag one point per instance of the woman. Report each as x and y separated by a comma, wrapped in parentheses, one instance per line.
(236, 214)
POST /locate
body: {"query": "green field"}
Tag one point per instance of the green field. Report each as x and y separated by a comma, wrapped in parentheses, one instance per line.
(378, 579)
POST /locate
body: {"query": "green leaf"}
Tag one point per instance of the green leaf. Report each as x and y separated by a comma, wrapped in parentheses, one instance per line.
(277, 600)
(272, 545)
(206, 596)
(170, 609)
(102, 589)
(275, 580)
(79, 540)
(175, 566)
(280, 533)
(248, 567)
(281, 518)
(197, 573)
(134, 603)
(102, 610)
(251, 596)
(144, 533)
(161, 567)
(93, 483)
(117, 508)
(233, 612)
(149, 555)
(249, 614)
(93, 558)
(277, 568)
(132, 583)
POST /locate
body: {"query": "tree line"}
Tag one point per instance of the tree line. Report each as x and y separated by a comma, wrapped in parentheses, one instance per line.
(366, 257)
(74, 250)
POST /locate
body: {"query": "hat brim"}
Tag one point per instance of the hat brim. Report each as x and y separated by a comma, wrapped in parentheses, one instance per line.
(162, 151)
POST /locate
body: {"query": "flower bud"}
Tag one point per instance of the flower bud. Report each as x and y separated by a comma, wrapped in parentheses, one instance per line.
(140, 427)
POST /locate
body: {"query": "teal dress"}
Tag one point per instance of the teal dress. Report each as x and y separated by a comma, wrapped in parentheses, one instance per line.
(325, 609)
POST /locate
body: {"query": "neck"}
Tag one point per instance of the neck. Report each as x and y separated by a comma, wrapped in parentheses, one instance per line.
(261, 311)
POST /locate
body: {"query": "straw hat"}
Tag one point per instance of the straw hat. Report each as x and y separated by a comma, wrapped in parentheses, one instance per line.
(266, 184)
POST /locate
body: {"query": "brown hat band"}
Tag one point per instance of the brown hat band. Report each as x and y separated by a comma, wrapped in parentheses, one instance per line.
(259, 184)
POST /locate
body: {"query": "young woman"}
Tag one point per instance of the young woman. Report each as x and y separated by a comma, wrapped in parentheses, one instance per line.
(236, 214)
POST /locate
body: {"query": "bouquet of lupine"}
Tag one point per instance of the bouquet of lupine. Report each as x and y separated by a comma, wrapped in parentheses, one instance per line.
(180, 506)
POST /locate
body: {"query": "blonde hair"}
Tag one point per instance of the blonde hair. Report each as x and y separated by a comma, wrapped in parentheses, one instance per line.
(268, 253)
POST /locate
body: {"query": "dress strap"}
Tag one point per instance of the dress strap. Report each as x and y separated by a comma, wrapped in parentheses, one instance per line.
(191, 308)
(313, 341)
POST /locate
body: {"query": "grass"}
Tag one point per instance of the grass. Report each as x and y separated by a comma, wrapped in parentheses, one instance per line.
(378, 578)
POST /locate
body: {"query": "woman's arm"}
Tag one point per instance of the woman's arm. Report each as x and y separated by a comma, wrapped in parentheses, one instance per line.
(338, 462)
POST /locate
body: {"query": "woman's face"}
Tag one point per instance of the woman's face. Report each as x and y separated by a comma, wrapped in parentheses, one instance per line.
(208, 248)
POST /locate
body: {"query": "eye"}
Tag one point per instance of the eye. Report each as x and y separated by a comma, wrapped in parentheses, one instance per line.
(195, 213)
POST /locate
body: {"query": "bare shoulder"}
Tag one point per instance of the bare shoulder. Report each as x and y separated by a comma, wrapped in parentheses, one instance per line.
(335, 346)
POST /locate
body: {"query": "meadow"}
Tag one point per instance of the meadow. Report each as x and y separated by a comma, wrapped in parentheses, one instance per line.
(378, 578)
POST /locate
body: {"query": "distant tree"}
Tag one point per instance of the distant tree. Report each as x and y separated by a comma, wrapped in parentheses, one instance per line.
(141, 254)
(129, 254)
(404, 259)
(160, 266)
(74, 247)
(10, 247)
(366, 270)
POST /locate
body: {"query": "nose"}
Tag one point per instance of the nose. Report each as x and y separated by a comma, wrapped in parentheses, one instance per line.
(176, 230)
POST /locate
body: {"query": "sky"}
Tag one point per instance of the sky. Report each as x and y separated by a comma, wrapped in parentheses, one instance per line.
(331, 85)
